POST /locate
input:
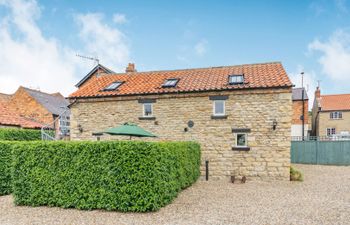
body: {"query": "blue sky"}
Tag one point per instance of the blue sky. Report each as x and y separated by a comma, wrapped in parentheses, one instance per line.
(310, 36)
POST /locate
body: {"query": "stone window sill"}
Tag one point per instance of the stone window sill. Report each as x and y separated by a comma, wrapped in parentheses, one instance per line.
(223, 117)
(147, 118)
(241, 148)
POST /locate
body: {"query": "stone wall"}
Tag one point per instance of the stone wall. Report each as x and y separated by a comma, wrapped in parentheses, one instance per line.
(269, 154)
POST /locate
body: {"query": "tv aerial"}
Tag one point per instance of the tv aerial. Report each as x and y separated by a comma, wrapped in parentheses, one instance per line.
(94, 59)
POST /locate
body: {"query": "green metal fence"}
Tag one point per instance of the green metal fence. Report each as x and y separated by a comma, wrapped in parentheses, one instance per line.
(321, 152)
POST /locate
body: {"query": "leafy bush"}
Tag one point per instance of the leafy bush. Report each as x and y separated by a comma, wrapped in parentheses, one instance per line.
(125, 176)
(5, 167)
(13, 134)
(295, 175)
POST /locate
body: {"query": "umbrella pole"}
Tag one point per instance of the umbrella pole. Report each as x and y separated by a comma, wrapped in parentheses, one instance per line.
(130, 137)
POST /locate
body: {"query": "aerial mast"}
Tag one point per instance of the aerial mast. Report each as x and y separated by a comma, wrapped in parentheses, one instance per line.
(95, 59)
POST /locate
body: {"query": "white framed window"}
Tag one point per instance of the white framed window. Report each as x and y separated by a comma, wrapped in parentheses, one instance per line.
(147, 109)
(241, 140)
(113, 86)
(236, 79)
(219, 108)
(336, 115)
(170, 82)
(330, 131)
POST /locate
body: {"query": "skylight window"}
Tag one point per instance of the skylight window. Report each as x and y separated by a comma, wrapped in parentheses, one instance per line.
(113, 86)
(170, 82)
(236, 79)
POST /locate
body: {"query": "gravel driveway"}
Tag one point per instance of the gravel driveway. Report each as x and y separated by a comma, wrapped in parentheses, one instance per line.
(323, 198)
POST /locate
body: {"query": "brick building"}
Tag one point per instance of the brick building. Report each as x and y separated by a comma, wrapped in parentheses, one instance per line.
(241, 115)
(298, 105)
(11, 119)
(331, 115)
(33, 105)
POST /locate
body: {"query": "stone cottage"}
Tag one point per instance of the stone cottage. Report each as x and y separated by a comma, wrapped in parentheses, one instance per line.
(241, 115)
(331, 116)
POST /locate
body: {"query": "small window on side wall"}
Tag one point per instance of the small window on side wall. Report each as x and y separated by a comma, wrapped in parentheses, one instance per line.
(147, 109)
(336, 115)
(330, 132)
(219, 108)
(241, 140)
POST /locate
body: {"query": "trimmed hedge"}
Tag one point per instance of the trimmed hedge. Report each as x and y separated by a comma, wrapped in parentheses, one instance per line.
(5, 167)
(13, 134)
(124, 175)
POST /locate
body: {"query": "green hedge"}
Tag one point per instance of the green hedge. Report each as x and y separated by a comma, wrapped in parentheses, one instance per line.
(124, 176)
(13, 134)
(5, 167)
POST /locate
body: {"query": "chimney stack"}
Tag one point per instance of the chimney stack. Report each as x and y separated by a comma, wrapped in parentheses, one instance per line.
(130, 68)
(318, 92)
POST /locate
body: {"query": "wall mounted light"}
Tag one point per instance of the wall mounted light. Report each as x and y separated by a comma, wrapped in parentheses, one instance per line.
(80, 128)
(274, 124)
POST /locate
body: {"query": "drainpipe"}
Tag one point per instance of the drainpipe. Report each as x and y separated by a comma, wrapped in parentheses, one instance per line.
(302, 98)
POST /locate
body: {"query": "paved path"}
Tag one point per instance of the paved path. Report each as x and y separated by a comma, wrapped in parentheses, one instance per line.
(323, 198)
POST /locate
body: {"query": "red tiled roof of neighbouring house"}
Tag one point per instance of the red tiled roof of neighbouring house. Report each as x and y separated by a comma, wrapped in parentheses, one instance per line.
(264, 75)
(9, 117)
(335, 102)
(4, 98)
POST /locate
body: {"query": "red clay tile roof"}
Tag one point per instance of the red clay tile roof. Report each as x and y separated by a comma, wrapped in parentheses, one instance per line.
(9, 117)
(265, 75)
(4, 97)
(335, 102)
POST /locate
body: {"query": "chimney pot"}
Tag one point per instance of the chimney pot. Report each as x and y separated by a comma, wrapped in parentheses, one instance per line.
(318, 92)
(130, 68)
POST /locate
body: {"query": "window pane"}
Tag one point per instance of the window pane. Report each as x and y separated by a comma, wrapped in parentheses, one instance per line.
(236, 79)
(113, 86)
(241, 139)
(170, 83)
(147, 109)
(219, 107)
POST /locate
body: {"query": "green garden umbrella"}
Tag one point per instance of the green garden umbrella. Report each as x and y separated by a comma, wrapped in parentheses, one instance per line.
(129, 129)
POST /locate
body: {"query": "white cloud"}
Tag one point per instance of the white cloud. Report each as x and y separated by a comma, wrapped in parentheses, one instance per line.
(30, 59)
(108, 43)
(201, 47)
(119, 18)
(310, 82)
(334, 55)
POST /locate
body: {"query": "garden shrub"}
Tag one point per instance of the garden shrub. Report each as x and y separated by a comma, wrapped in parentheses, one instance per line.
(124, 175)
(13, 134)
(295, 175)
(5, 167)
